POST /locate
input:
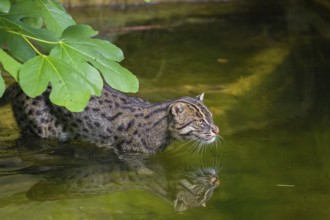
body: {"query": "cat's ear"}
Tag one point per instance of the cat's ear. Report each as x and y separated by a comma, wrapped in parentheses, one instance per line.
(200, 97)
(177, 108)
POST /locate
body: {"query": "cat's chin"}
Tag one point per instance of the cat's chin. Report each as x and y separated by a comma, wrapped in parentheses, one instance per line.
(209, 141)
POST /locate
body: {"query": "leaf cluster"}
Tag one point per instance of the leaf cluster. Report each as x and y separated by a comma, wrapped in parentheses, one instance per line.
(42, 45)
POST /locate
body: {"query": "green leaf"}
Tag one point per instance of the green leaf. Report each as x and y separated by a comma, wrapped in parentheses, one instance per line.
(56, 19)
(3, 37)
(93, 49)
(92, 77)
(76, 60)
(10, 64)
(13, 23)
(7, 22)
(24, 8)
(26, 12)
(69, 89)
(50, 39)
(36, 22)
(101, 54)
(117, 76)
(4, 6)
(79, 31)
(109, 50)
(57, 4)
(19, 48)
(89, 73)
(34, 76)
(2, 86)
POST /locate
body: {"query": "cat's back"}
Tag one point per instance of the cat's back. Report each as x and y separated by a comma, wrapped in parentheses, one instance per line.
(113, 94)
(96, 123)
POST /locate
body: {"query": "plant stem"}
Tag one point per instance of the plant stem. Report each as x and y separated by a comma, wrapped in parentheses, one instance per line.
(32, 38)
(27, 39)
(31, 45)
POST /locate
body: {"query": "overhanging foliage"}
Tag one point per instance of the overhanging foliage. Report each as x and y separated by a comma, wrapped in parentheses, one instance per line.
(41, 44)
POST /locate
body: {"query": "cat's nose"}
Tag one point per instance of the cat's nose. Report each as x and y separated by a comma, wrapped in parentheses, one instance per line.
(215, 129)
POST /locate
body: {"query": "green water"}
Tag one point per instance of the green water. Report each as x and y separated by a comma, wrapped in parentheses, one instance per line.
(266, 78)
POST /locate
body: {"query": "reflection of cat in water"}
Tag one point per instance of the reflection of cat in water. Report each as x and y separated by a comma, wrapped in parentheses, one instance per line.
(187, 190)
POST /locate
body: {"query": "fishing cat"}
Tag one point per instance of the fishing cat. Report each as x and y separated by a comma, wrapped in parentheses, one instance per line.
(116, 121)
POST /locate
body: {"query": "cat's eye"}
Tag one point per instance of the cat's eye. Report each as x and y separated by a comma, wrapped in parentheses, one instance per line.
(201, 122)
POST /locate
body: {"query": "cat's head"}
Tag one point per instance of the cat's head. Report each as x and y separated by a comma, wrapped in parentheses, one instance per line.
(196, 190)
(192, 120)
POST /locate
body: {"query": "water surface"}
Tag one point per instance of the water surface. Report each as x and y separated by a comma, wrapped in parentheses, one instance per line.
(266, 81)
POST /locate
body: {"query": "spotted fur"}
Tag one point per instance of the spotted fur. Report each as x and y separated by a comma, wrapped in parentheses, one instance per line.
(114, 120)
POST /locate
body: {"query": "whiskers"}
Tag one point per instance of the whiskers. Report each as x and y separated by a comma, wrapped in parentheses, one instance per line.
(182, 147)
(200, 146)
